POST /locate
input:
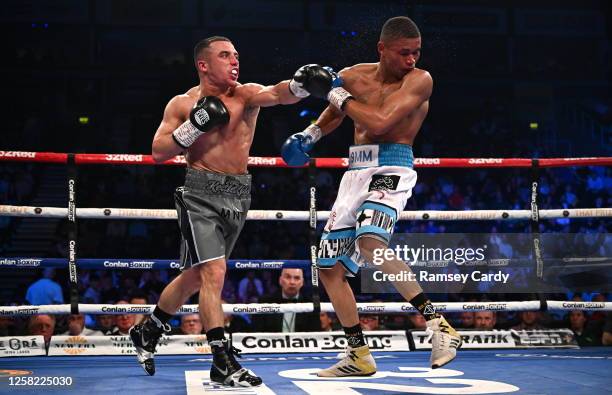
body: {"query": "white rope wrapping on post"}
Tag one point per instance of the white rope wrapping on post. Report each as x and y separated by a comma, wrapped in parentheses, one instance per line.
(276, 308)
(294, 215)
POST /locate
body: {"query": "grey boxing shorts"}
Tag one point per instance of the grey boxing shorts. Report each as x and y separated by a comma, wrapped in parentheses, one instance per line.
(211, 208)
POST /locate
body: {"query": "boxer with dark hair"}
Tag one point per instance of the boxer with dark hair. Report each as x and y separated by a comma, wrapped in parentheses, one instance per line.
(388, 101)
(213, 124)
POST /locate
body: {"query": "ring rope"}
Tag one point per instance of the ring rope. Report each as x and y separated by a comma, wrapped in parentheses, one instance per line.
(145, 264)
(296, 215)
(260, 161)
(273, 264)
(276, 308)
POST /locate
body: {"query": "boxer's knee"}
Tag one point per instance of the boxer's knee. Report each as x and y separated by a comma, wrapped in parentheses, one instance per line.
(212, 274)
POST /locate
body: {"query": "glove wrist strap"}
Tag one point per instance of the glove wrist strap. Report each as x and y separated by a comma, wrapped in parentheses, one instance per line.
(338, 97)
(296, 89)
(186, 134)
(313, 133)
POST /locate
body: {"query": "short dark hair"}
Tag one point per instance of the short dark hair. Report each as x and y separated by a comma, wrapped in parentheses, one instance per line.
(399, 27)
(138, 294)
(205, 43)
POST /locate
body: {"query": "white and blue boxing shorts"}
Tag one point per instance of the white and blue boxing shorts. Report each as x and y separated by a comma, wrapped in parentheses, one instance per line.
(372, 194)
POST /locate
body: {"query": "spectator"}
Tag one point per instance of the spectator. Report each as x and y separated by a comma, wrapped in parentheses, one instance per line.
(250, 288)
(485, 320)
(191, 324)
(76, 327)
(417, 321)
(45, 290)
(123, 322)
(585, 335)
(326, 322)
(105, 323)
(8, 326)
(530, 320)
(138, 297)
(291, 282)
(466, 320)
(43, 325)
(369, 322)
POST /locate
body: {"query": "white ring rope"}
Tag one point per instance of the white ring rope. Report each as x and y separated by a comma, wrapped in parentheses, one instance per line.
(276, 308)
(288, 215)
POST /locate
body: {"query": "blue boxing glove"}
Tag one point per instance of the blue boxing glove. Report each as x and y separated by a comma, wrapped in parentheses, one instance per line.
(296, 147)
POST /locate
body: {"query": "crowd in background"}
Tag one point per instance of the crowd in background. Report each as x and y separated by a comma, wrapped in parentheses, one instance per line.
(590, 329)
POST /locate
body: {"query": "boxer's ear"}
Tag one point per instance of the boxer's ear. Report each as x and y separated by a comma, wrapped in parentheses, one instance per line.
(202, 66)
(380, 47)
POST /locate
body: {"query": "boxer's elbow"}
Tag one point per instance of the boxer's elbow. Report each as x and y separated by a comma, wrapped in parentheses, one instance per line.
(160, 152)
(158, 157)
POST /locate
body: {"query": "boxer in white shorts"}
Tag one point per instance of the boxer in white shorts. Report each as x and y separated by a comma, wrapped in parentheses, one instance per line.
(388, 101)
(372, 194)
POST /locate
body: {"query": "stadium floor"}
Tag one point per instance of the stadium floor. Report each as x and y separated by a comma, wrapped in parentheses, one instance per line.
(545, 371)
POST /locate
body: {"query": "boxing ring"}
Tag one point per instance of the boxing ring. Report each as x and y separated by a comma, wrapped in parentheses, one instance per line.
(403, 369)
(583, 371)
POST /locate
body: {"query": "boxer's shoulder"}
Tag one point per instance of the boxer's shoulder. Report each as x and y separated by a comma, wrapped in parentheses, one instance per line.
(187, 99)
(355, 72)
(418, 74)
(359, 69)
(247, 90)
(180, 105)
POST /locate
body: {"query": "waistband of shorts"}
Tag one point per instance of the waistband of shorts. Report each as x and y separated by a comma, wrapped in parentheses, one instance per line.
(211, 183)
(382, 154)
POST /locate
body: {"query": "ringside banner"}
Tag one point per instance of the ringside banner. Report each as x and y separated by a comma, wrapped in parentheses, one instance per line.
(252, 343)
(22, 346)
(553, 338)
(122, 345)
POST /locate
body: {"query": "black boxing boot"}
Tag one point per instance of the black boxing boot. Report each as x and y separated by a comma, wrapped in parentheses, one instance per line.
(225, 369)
(145, 337)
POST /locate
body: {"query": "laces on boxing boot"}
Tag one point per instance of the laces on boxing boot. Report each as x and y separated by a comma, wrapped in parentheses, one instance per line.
(357, 361)
(445, 341)
(227, 371)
